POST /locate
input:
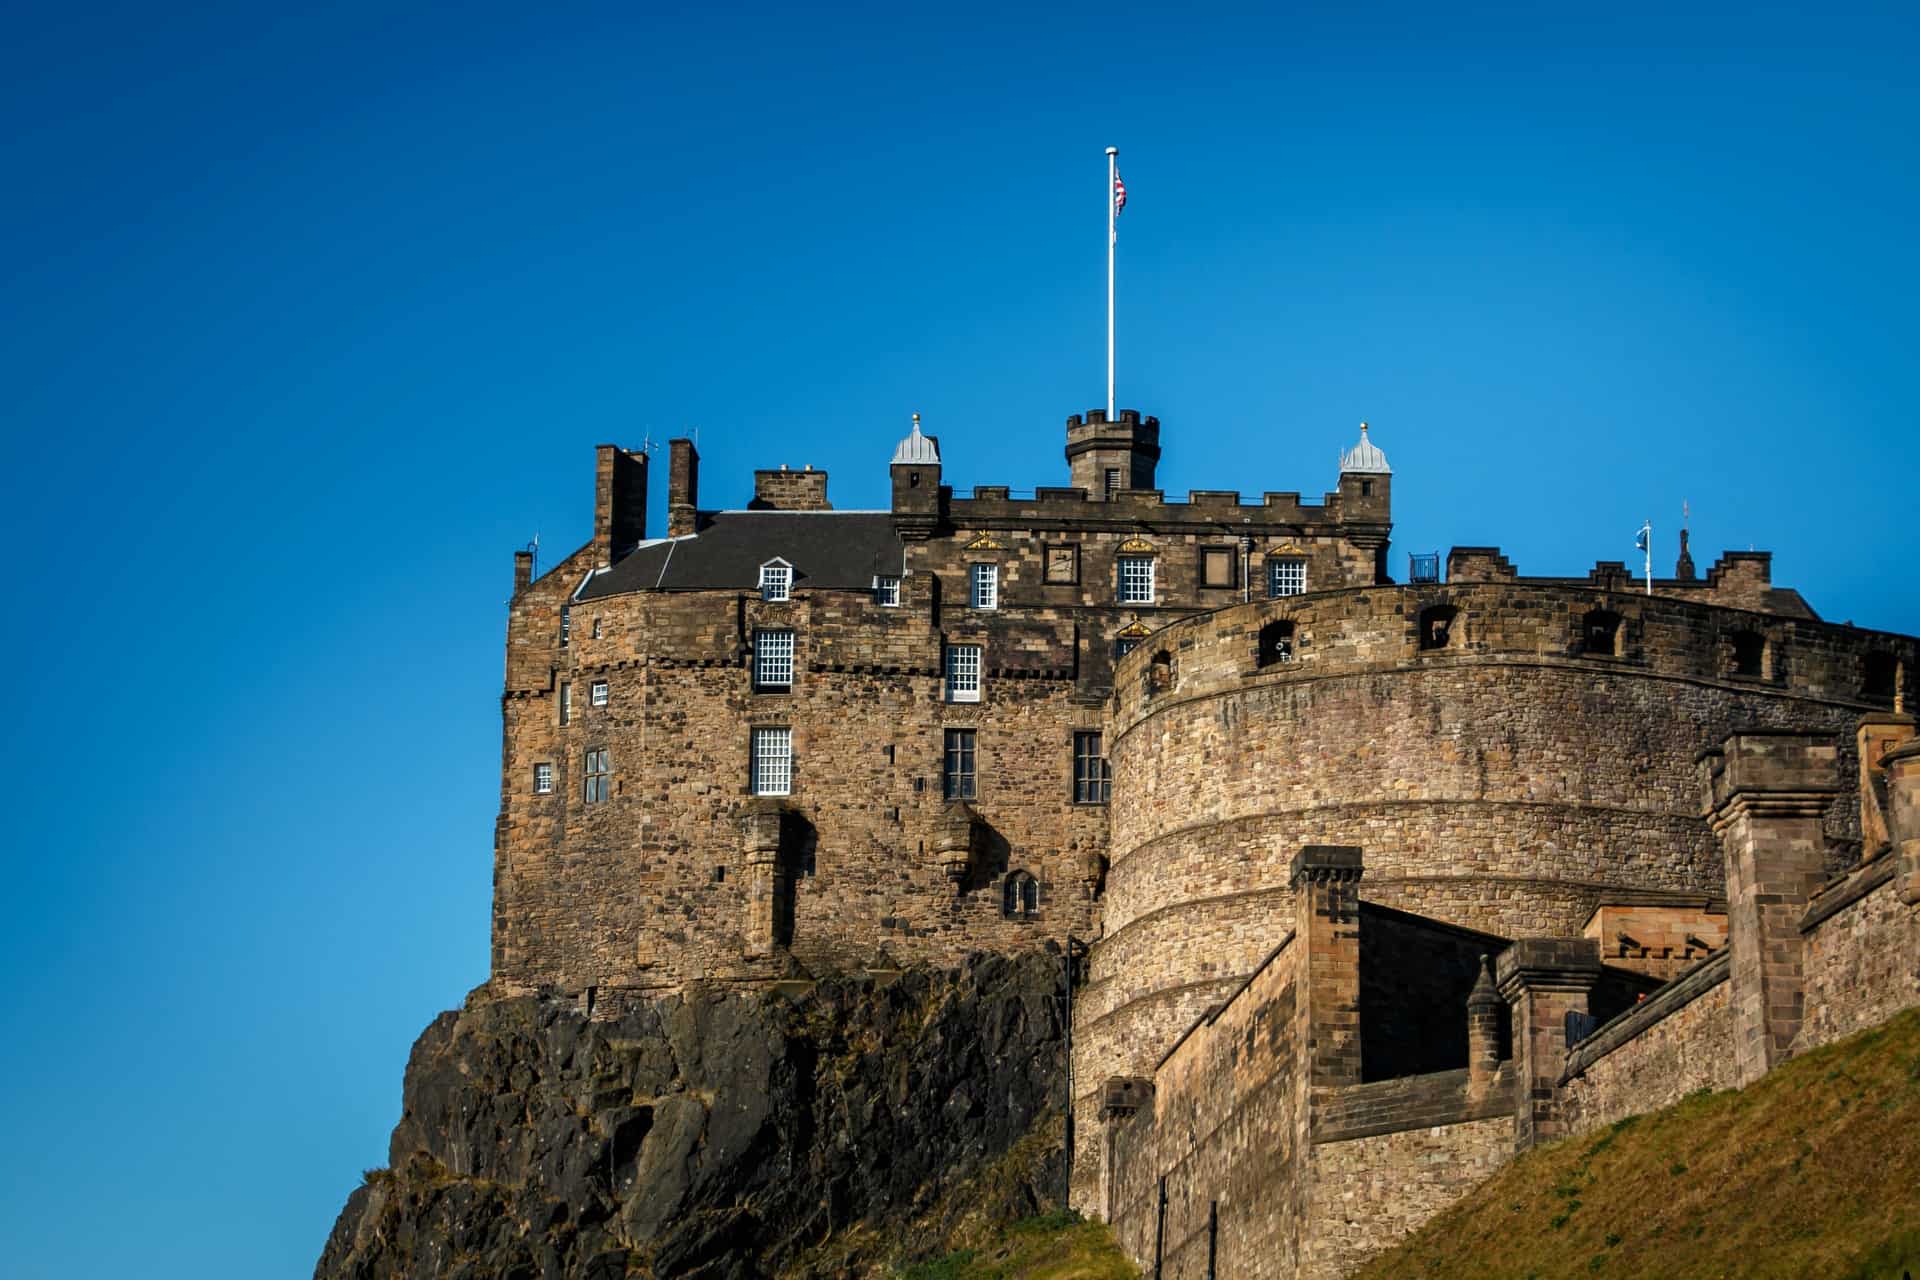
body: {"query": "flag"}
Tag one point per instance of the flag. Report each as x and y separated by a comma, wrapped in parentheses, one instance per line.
(1119, 193)
(1640, 538)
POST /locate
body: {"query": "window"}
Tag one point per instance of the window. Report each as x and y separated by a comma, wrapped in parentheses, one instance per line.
(566, 702)
(1020, 896)
(773, 659)
(956, 775)
(1125, 645)
(1600, 634)
(1749, 654)
(1276, 644)
(566, 625)
(1366, 488)
(543, 779)
(1136, 579)
(1112, 481)
(596, 626)
(886, 592)
(776, 581)
(1286, 578)
(986, 586)
(963, 673)
(1436, 626)
(596, 775)
(1216, 567)
(597, 693)
(1882, 680)
(1092, 779)
(772, 762)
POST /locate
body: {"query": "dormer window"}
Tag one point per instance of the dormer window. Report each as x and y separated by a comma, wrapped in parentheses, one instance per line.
(985, 582)
(1286, 576)
(776, 581)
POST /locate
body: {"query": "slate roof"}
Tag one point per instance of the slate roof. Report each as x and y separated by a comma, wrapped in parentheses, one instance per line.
(827, 549)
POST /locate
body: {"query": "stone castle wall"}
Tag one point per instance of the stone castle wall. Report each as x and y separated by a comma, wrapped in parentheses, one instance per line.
(1509, 782)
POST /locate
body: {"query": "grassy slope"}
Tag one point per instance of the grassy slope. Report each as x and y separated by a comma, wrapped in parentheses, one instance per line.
(1812, 1171)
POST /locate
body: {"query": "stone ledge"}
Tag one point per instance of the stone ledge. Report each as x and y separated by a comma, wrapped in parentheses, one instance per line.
(1834, 898)
(1411, 1102)
(1626, 1027)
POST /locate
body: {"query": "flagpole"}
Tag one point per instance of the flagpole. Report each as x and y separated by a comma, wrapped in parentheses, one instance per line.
(1113, 165)
(1649, 530)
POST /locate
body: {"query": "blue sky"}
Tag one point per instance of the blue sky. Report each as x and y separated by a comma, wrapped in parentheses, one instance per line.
(311, 318)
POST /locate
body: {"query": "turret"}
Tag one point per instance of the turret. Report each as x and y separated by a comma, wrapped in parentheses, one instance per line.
(1109, 456)
(916, 484)
(1366, 481)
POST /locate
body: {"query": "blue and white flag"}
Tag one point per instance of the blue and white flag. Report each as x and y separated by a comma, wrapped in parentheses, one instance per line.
(1640, 538)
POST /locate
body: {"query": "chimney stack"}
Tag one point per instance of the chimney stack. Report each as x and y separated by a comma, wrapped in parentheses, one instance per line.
(683, 487)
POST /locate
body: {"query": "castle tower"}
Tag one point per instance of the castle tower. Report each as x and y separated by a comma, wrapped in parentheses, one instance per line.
(1110, 456)
(916, 484)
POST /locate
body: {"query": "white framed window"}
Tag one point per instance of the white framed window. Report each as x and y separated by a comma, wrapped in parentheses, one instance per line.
(596, 626)
(595, 773)
(597, 693)
(886, 592)
(773, 658)
(776, 581)
(1286, 578)
(963, 673)
(566, 702)
(566, 625)
(1136, 579)
(986, 586)
(772, 762)
(1112, 481)
(543, 779)
(1125, 645)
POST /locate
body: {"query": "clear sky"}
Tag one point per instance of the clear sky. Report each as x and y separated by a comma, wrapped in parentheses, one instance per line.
(311, 318)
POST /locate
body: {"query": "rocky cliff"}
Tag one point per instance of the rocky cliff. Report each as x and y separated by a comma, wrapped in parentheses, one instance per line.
(717, 1133)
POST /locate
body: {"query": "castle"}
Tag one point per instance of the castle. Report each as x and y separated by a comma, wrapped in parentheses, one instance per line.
(1349, 852)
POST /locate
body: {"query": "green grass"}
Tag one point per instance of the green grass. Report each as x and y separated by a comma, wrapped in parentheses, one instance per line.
(1054, 1246)
(1812, 1171)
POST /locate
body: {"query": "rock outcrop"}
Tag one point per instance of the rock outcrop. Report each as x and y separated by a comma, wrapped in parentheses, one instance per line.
(709, 1133)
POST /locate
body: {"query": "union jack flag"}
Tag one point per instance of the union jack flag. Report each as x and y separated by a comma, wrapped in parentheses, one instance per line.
(1119, 193)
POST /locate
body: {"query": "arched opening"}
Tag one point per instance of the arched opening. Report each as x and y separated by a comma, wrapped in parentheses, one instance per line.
(1160, 672)
(1019, 896)
(1276, 643)
(1749, 655)
(1600, 634)
(1881, 678)
(1437, 626)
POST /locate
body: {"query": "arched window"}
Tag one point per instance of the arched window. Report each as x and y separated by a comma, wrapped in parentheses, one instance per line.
(1882, 677)
(1020, 896)
(1436, 626)
(1749, 655)
(1276, 643)
(1600, 634)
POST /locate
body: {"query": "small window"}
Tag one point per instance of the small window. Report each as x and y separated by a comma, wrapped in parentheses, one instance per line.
(1287, 577)
(595, 787)
(1276, 643)
(1366, 488)
(1112, 481)
(566, 702)
(886, 592)
(1125, 645)
(1136, 579)
(1092, 780)
(963, 673)
(566, 625)
(776, 582)
(1020, 897)
(1749, 655)
(1600, 634)
(543, 779)
(596, 626)
(597, 693)
(1160, 672)
(1217, 566)
(1437, 626)
(986, 586)
(772, 766)
(1882, 677)
(773, 659)
(957, 781)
